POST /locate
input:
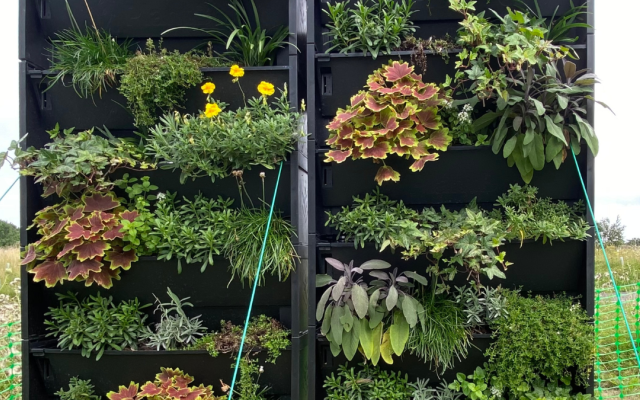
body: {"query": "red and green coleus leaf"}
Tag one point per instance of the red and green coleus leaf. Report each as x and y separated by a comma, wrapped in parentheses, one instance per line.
(388, 120)
(440, 139)
(68, 247)
(77, 231)
(167, 373)
(428, 118)
(130, 215)
(357, 99)
(397, 71)
(124, 393)
(419, 163)
(96, 222)
(100, 202)
(386, 173)
(89, 250)
(194, 394)
(378, 151)
(345, 115)
(344, 144)
(149, 389)
(421, 150)
(408, 139)
(337, 155)
(114, 233)
(365, 142)
(346, 132)
(425, 93)
(103, 278)
(399, 150)
(121, 259)
(83, 268)
(408, 110)
(403, 126)
(50, 271)
(30, 255)
(372, 104)
(58, 227)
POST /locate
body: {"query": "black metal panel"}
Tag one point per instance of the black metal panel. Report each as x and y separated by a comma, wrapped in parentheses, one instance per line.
(56, 367)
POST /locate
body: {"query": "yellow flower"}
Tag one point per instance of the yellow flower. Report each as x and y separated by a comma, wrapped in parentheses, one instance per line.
(212, 110)
(208, 88)
(266, 88)
(236, 71)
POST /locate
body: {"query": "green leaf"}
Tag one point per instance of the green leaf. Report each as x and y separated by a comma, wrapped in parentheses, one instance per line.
(338, 288)
(553, 148)
(536, 156)
(376, 338)
(321, 305)
(392, 298)
(563, 102)
(375, 264)
(509, 146)
(539, 106)
(409, 311)
(336, 325)
(326, 322)
(554, 129)
(335, 348)
(347, 319)
(366, 338)
(323, 280)
(350, 341)
(360, 300)
(528, 136)
(416, 277)
(485, 120)
(399, 333)
(517, 123)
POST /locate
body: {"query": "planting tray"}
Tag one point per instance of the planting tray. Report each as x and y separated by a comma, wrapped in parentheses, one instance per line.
(55, 367)
(111, 109)
(408, 364)
(140, 19)
(539, 268)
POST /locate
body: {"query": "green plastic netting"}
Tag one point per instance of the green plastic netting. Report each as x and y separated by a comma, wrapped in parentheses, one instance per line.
(616, 371)
(10, 368)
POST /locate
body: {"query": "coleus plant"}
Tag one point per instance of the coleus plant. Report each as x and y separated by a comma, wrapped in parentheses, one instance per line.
(354, 314)
(397, 114)
(170, 384)
(81, 240)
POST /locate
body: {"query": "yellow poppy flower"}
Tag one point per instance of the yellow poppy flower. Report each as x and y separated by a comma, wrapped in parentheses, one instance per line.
(266, 88)
(212, 110)
(208, 88)
(236, 71)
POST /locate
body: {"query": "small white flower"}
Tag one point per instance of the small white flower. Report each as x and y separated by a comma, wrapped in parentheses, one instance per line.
(463, 117)
(261, 369)
(467, 108)
(161, 196)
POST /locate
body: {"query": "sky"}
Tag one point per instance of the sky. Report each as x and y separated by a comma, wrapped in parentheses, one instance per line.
(617, 164)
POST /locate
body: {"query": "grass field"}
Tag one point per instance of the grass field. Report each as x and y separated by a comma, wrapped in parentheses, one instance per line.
(9, 313)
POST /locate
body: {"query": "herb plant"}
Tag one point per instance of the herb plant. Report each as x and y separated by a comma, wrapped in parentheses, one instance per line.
(557, 29)
(96, 324)
(73, 162)
(479, 386)
(78, 390)
(553, 340)
(138, 234)
(214, 145)
(527, 216)
(397, 114)
(344, 307)
(194, 231)
(481, 305)
(167, 384)
(248, 387)
(263, 333)
(367, 383)
(157, 80)
(245, 43)
(443, 338)
(175, 328)
(91, 56)
(81, 240)
(372, 26)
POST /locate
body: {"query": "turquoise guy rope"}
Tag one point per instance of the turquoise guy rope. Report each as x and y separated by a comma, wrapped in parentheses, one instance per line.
(604, 251)
(10, 187)
(255, 284)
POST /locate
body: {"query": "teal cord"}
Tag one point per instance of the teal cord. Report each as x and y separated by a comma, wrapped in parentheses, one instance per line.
(10, 187)
(255, 284)
(613, 280)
